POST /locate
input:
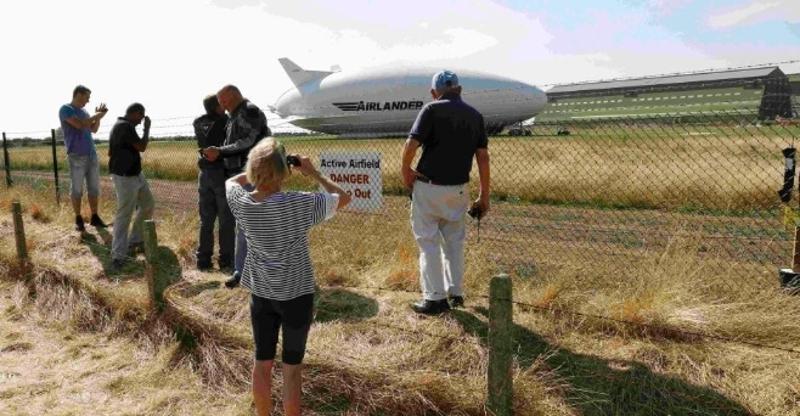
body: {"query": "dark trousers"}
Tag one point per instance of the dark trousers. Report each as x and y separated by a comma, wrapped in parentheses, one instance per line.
(241, 242)
(214, 206)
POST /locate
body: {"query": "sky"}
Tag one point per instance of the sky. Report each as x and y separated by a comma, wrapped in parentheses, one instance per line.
(169, 54)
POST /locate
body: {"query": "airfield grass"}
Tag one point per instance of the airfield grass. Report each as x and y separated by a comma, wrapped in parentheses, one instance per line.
(717, 168)
(369, 354)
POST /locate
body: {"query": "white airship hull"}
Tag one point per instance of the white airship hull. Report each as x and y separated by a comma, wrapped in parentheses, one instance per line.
(387, 101)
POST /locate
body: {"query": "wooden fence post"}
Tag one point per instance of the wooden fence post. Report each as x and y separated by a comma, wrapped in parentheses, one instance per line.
(9, 182)
(500, 384)
(156, 288)
(19, 232)
(55, 166)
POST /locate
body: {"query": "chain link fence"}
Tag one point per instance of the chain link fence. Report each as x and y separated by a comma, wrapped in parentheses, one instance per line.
(575, 194)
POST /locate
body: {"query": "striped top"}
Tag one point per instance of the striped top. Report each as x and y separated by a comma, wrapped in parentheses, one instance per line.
(278, 263)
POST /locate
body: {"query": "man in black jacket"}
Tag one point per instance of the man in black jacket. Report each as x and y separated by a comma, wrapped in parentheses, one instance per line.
(246, 126)
(209, 129)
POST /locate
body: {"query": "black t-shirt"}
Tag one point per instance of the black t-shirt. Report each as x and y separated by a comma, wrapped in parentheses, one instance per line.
(123, 158)
(450, 131)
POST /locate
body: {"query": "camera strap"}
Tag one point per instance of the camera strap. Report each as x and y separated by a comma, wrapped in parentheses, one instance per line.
(479, 230)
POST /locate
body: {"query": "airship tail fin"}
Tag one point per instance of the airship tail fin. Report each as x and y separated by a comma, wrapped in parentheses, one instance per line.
(300, 76)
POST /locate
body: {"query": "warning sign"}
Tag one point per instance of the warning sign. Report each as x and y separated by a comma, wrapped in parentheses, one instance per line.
(358, 173)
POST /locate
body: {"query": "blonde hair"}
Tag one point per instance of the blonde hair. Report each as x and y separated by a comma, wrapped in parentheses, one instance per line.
(266, 163)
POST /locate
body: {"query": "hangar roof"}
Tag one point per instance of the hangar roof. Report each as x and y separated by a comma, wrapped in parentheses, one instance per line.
(648, 82)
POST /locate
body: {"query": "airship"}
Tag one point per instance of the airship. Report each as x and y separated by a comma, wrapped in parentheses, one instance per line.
(385, 101)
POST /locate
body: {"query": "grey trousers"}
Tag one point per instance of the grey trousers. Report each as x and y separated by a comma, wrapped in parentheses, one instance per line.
(437, 220)
(133, 194)
(213, 206)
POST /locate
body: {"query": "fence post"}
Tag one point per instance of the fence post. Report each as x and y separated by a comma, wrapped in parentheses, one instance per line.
(55, 166)
(500, 384)
(19, 232)
(9, 182)
(155, 286)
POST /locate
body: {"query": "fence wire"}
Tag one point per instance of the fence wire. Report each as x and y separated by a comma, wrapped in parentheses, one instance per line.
(602, 183)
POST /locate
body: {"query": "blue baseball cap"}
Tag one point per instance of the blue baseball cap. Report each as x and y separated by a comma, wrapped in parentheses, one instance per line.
(444, 79)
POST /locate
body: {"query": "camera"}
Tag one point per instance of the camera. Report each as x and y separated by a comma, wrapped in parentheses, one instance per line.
(292, 160)
(475, 212)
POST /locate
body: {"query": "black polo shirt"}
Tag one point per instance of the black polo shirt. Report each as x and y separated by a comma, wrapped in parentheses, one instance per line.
(450, 131)
(123, 158)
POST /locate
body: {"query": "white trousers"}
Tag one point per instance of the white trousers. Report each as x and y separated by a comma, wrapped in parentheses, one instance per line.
(437, 220)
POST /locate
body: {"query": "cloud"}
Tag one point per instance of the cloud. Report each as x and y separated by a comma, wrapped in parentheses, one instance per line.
(755, 12)
(412, 29)
(169, 54)
(235, 4)
(659, 8)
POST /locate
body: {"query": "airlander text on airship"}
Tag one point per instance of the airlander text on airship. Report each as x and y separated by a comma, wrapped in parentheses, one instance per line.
(378, 106)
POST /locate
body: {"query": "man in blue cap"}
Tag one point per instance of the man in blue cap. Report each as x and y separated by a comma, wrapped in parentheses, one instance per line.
(451, 133)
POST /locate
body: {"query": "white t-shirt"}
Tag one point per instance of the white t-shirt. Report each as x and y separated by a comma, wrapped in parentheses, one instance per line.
(278, 262)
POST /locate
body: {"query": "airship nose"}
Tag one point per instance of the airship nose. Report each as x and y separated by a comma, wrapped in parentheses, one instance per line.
(533, 98)
(287, 103)
(281, 107)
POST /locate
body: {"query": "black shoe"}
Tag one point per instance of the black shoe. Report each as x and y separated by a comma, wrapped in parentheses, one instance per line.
(97, 222)
(225, 265)
(431, 307)
(233, 281)
(134, 248)
(203, 265)
(456, 301)
(79, 224)
(117, 265)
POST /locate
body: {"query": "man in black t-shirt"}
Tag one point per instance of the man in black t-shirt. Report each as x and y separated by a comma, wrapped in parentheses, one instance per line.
(451, 133)
(209, 129)
(132, 190)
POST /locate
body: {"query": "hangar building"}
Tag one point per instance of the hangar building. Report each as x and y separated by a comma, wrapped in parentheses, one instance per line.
(761, 93)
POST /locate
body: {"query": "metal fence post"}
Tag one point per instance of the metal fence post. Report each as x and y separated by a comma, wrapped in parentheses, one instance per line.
(19, 232)
(55, 166)
(9, 182)
(500, 384)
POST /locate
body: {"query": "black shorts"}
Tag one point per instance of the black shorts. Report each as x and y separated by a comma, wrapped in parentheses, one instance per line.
(294, 316)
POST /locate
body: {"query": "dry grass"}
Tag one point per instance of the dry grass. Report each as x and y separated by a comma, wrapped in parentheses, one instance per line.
(64, 355)
(368, 354)
(38, 214)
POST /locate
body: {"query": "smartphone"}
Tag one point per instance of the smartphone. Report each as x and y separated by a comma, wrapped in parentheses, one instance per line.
(292, 160)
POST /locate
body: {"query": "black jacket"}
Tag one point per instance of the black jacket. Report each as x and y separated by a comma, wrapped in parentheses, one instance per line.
(209, 130)
(246, 126)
